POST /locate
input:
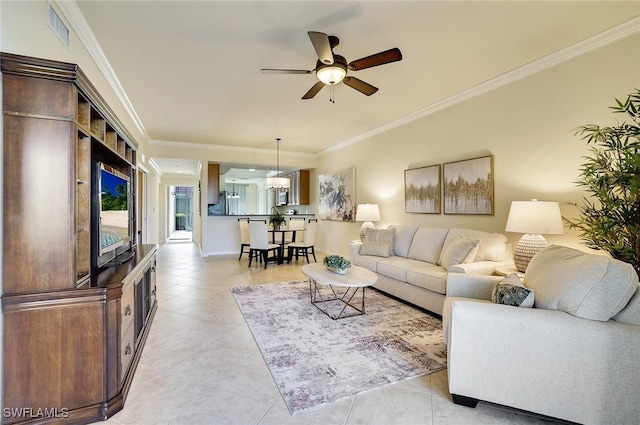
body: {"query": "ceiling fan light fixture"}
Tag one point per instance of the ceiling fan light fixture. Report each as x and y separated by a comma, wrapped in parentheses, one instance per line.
(331, 74)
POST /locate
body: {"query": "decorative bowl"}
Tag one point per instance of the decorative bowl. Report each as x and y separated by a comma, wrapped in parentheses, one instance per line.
(339, 271)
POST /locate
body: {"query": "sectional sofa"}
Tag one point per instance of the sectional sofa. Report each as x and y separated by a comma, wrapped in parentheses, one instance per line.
(573, 356)
(412, 262)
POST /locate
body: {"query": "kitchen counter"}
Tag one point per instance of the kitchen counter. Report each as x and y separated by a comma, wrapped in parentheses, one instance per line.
(221, 233)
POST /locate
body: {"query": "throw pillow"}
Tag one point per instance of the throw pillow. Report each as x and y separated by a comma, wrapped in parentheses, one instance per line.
(381, 235)
(460, 250)
(511, 291)
(375, 248)
(493, 247)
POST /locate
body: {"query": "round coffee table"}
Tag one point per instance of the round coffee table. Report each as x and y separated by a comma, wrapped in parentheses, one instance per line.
(346, 300)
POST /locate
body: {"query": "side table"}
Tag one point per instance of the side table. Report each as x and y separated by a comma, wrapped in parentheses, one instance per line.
(507, 270)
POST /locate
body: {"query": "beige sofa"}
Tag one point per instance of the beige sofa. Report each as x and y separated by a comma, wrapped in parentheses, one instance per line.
(412, 262)
(574, 356)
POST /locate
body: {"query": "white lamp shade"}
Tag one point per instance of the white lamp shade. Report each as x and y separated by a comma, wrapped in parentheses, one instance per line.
(277, 182)
(538, 217)
(368, 212)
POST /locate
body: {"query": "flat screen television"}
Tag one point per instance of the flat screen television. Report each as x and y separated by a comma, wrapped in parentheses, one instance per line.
(112, 218)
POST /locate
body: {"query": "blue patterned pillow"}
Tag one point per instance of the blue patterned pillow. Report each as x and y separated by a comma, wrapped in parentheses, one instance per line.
(511, 291)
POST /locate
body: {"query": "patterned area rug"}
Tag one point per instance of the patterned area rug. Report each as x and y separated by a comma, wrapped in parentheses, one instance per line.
(315, 360)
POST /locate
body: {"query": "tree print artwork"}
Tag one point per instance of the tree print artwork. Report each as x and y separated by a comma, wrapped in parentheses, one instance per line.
(468, 186)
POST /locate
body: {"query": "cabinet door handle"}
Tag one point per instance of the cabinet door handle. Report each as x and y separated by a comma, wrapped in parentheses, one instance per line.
(127, 349)
(127, 310)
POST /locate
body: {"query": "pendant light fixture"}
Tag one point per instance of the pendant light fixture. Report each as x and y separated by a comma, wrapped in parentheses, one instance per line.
(277, 182)
(233, 194)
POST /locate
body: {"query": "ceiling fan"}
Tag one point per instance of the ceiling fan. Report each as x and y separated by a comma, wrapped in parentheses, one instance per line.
(332, 69)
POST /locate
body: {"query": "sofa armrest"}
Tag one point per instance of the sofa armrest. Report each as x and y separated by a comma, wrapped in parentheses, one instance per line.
(475, 286)
(354, 248)
(544, 361)
(479, 267)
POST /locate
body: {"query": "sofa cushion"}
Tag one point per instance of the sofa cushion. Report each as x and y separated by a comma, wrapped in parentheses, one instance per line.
(511, 291)
(396, 267)
(585, 285)
(428, 276)
(402, 239)
(631, 313)
(381, 235)
(369, 262)
(427, 244)
(459, 251)
(493, 247)
(378, 249)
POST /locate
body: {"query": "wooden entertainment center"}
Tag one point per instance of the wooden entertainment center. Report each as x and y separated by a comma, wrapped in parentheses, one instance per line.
(73, 330)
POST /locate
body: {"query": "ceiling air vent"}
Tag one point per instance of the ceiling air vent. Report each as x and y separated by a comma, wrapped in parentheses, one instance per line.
(58, 26)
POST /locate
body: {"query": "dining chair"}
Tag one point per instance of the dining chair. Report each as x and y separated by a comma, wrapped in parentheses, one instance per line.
(259, 246)
(243, 223)
(306, 245)
(297, 224)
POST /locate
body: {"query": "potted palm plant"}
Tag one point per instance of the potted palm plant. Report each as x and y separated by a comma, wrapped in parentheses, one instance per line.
(610, 216)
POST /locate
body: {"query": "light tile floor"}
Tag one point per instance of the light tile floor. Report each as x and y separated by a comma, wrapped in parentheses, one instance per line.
(201, 365)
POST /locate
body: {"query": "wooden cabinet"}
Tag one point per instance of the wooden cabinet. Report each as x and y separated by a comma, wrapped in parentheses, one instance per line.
(213, 184)
(70, 337)
(299, 187)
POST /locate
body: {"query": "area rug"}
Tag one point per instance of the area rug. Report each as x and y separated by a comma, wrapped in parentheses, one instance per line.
(315, 360)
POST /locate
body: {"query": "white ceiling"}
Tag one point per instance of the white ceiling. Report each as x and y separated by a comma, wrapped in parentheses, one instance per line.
(191, 70)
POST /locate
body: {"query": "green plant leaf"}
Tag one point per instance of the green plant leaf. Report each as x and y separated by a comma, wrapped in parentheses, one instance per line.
(609, 218)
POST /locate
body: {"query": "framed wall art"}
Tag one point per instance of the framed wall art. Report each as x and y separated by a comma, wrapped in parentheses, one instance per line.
(337, 196)
(468, 186)
(422, 188)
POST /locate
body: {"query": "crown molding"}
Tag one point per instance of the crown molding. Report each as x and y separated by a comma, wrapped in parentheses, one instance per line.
(79, 24)
(228, 148)
(619, 32)
(155, 166)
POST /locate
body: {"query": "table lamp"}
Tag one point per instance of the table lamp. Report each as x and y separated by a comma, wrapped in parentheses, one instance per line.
(367, 213)
(533, 218)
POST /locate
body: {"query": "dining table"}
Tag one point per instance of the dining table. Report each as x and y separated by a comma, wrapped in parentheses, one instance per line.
(282, 240)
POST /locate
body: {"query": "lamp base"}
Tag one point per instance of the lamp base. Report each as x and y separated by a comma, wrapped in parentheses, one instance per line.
(363, 229)
(528, 246)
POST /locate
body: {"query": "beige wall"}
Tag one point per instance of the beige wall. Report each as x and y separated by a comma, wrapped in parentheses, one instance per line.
(526, 125)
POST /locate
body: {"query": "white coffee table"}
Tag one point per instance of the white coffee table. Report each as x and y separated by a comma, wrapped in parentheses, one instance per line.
(355, 280)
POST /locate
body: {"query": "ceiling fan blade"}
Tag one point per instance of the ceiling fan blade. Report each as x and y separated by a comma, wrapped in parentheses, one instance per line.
(285, 71)
(314, 90)
(361, 86)
(388, 56)
(321, 43)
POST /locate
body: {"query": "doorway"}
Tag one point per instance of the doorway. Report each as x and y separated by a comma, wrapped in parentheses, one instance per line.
(180, 215)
